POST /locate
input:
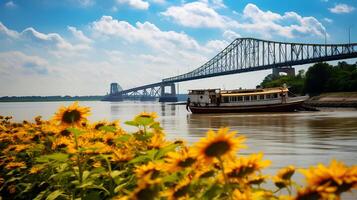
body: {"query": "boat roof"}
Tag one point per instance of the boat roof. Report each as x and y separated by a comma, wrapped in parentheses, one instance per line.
(253, 91)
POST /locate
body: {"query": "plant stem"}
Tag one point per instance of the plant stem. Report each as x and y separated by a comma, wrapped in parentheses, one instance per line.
(226, 183)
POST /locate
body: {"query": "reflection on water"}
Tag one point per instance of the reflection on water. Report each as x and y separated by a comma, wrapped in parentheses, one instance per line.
(303, 138)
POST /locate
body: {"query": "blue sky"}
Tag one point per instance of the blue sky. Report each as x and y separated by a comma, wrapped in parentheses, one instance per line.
(78, 47)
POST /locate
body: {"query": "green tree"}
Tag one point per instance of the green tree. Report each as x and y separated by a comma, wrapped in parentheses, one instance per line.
(317, 78)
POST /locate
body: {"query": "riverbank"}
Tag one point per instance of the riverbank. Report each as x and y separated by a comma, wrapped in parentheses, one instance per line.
(336, 99)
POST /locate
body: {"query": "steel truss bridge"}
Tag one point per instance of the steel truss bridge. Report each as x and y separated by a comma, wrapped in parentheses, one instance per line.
(246, 55)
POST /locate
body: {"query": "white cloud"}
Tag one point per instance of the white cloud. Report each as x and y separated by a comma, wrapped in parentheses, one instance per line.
(137, 4)
(342, 8)
(52, 41)
(145, 32)
(252, 20)
(217, 45)
(289, 25)
(328, 20)
(10, 4)
(7, 32)
(197, 14)
(231, 35)
(79, 34)
(15, 61)
(159, 1)
(214, 3)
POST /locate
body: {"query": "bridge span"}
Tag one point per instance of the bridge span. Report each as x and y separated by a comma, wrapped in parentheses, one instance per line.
(245, 55)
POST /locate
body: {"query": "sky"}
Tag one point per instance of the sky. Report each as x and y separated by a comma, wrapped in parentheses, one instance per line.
(79, 47)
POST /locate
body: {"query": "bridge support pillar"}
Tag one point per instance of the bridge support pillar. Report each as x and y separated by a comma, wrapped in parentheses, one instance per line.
(290, 71)
(168, 97)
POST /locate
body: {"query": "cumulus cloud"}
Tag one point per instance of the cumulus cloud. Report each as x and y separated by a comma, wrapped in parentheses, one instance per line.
(15, 61)
(197, 14)
(253, 19)
(231, 35)
(289, 25)
(341, 8)
(145, 32)
(79, 34)
(137, 4)
(7, 32)
(52, 41)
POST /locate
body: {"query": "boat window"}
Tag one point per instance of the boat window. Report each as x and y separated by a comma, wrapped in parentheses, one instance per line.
(267, 96)
(240, 98)
(225, 99)
(261, 97)
(275, 95)
(254, 97)
(246, 98)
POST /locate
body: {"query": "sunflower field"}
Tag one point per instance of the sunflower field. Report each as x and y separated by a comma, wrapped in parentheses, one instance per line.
(68, 157)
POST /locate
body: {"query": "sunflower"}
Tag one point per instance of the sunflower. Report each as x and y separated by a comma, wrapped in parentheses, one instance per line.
(245, 166)
(179, 191)
(71, 115)
(122, 155)
(151, 168)
(176, 161)
(14, 165)
(99, 124)
(286, 173)
(157, 141)
(335, 178)
(151, 115)
(35, 170)
(147, 189)
(283, 176)
(218, 144)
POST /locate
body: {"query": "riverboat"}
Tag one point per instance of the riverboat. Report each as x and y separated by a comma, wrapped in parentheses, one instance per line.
(277, 99)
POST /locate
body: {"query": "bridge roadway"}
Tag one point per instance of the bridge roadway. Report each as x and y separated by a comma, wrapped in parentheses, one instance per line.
(249, 54)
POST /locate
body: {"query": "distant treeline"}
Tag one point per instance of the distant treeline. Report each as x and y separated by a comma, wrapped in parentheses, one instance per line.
(49, 98)
(319, 78)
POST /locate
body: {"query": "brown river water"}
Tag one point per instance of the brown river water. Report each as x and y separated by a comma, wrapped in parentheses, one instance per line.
(300, 138)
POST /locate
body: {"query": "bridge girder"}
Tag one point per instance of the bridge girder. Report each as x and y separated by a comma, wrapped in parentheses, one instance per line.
(249, 54)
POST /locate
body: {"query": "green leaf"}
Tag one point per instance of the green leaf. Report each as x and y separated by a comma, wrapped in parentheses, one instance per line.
(156, 126)
(163, 151)
(115, 173)
(131, 123)
(75, 131)
(123, 138)
(144, 121)
(212, 192)
(143, 137)
(54, 195)
(61, 157)
(140, 159)
(108, 128)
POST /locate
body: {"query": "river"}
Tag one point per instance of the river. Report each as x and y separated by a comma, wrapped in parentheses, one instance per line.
(301, 138)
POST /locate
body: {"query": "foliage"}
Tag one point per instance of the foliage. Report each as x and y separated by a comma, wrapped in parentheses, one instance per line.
(294, 83)
(320, 78)
(69, 158)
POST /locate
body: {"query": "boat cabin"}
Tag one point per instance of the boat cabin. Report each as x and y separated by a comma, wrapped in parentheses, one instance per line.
(217, 97)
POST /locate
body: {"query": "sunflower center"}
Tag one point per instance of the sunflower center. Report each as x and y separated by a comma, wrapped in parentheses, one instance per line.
(217, 149)
(187, 162)
(98, 126)
(181, 191)
(71, 116)
(146, 194)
